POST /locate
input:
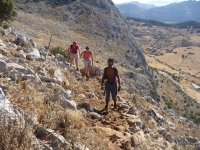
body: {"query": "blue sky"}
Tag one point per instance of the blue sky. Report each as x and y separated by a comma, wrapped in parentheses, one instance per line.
(155, 2)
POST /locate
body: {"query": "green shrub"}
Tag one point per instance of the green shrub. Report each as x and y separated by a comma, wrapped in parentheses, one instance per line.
(194, 117)
(5, 25)
(158, 98)
(7, 12)
(58, 50)
(171, 104)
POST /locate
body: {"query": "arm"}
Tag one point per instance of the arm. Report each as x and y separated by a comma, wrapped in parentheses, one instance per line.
(92, 58)
(68, 49)
(119, 88)
(81, 54)
(103, 77)
(78, 51)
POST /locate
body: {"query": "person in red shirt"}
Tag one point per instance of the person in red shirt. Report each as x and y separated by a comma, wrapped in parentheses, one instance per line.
(74, 53)
(88, 61)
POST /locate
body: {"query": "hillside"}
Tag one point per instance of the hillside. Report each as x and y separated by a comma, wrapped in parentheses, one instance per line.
(173, 13)
(105, 32)
(46, 104)
(172, 52)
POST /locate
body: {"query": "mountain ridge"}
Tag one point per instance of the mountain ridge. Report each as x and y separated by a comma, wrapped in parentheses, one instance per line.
(142, 5)
(175, 12)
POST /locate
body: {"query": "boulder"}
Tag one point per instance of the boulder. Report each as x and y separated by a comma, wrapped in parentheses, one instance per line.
(138, 139)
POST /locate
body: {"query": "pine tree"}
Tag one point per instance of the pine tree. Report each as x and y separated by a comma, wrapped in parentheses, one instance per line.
(7, 12)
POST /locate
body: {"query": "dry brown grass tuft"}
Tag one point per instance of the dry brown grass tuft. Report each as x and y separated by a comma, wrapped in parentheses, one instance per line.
(14, 138)
(26, 97)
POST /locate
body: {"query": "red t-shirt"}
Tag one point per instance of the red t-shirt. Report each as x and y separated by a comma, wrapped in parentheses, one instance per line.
(74, 50)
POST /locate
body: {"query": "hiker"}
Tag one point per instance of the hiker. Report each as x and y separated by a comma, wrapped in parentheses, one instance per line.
(111, 77)
(88, 61)
(74, 54)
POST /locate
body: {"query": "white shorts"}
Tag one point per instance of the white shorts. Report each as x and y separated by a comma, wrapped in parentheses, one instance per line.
(87, 62)
(74, 56)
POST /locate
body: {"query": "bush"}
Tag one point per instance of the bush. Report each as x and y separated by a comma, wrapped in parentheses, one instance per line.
(5, 25)
(170, 104)
(58, 50)
(7, 12)
(193, 117)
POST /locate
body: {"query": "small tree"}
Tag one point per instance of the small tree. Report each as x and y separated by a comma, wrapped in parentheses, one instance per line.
(7, 12)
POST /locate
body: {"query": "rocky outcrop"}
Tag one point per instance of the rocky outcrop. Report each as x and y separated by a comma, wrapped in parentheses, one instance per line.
(18, 69)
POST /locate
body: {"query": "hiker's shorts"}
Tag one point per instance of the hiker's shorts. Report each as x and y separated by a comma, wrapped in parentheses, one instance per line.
(74, 56)
(111, 88)
(87, 62)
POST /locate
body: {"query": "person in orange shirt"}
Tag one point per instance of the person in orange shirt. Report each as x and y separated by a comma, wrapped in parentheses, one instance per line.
(88, 61)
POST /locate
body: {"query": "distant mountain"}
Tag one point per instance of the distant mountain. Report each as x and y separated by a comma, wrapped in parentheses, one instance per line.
(147, 6)
(129, 9)
(141, 5)
(176, 12)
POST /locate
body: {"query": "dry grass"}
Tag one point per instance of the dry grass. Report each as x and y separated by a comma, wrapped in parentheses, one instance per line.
(33, 99)
(14, 138)
(26, 97)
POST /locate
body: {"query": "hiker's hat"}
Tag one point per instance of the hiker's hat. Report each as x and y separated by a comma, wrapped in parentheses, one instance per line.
(75, 43)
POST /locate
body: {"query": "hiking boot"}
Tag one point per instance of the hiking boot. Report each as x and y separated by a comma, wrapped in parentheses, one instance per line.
(87, 77)
(115, 106)
(105, 109)
(77, 69)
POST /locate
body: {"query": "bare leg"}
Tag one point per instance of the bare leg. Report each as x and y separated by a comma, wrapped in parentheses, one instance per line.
(71, 61)
(88, 70)
(76, 61)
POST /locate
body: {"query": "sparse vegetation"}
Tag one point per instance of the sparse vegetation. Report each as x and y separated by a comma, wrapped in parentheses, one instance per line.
(187, 108)
(59, 50)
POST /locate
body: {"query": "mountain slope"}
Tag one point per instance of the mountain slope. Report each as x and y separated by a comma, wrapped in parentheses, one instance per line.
(97, 24)
(176, 12)
(45, 104)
